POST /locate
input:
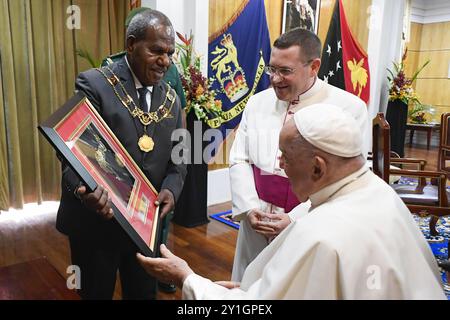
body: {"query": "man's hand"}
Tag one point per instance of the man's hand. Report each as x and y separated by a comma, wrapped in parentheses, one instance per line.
(255, 216)
(165, 201)
(168, 269)
(97, 201)
(271, 224)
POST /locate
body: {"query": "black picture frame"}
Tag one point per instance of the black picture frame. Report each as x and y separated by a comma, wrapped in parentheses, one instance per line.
(80, 136)
(301, 14)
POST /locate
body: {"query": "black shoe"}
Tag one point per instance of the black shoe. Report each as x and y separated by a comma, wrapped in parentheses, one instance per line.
(167, 288)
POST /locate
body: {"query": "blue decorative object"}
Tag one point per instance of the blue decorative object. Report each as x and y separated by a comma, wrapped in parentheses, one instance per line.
(225, 217)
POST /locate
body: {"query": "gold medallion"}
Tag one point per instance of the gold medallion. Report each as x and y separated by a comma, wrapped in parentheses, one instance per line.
(146, 143)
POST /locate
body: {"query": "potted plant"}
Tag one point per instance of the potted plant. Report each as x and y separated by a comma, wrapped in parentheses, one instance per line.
(201, 105)
(401, 94)
(200, 99)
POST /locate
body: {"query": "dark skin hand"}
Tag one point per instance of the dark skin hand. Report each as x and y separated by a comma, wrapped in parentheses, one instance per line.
(165, 201)
(97, 201)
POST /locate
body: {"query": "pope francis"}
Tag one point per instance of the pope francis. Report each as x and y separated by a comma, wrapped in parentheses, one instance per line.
(353, 239)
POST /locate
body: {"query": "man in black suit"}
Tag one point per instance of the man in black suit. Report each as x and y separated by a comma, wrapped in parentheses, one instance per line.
(99, 246)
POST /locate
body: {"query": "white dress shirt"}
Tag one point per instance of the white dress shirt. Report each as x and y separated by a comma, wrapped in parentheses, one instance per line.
(139, 85)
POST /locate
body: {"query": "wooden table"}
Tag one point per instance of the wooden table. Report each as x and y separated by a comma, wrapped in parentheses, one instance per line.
(34, 280)
(428, 127)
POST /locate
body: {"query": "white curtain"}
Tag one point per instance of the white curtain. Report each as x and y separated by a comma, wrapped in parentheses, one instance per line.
(385, 38)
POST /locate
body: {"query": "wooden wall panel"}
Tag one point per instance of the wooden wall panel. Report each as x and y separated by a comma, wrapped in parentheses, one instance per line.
(274, 13)
(435, 36)
(221, 11)
(413, 45)
(415, 36)
(438, 66)
(412, 62)
(433, 91)
(431, 42)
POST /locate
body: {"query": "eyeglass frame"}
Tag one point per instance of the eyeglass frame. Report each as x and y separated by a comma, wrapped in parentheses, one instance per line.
(277, 70)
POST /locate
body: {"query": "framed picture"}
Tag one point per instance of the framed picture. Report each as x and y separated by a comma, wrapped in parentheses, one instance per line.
(301, 13)
(83, 139)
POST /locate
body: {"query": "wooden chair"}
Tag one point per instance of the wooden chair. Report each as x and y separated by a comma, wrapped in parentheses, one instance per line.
(422, 199)
(444, 145)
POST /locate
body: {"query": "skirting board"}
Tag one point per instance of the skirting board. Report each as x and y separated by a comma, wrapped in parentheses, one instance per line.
(218, 186)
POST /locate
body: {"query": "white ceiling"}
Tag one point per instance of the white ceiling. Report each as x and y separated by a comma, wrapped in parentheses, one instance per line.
(430, 11)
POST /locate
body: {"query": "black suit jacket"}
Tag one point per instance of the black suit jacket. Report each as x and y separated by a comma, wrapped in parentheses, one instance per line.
(73, 217)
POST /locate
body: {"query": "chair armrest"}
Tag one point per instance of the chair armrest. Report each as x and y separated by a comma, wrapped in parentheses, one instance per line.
(441, 176)
(420, 162)
(419, 173)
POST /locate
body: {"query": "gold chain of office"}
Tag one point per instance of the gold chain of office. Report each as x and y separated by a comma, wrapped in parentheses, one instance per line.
(145, 142)
(145, 117)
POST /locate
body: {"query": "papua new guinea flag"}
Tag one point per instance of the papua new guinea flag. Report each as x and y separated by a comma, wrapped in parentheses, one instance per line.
(344, 63)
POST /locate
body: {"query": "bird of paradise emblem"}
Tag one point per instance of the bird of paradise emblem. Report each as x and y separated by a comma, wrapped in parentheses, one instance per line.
(359, 75)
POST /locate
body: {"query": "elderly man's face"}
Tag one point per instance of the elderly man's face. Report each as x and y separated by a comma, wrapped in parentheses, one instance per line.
(297, 162)
(288, 86)
(149, 58)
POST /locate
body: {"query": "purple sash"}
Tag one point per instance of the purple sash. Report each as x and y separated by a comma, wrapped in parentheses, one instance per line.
(274, 189)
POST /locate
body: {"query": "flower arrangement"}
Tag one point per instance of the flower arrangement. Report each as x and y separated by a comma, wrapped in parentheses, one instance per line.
(199, 97)
(420, 113)
(400, 85)
(417, 114)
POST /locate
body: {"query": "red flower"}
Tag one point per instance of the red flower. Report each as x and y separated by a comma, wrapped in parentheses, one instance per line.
(183, 39)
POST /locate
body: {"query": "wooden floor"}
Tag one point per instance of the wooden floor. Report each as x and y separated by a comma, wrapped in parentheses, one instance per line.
(209, 249)
(421, 152)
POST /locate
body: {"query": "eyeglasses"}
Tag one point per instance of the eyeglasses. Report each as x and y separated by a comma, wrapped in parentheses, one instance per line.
(283, 71)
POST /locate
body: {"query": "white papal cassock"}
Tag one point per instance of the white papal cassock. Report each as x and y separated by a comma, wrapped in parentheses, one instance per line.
(256, 148)
(357, 240)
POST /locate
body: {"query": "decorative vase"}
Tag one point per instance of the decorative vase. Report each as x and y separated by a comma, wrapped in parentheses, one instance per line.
(191, 207)
(396, 116)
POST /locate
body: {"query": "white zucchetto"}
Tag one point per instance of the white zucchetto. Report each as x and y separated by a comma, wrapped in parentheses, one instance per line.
(330, 128)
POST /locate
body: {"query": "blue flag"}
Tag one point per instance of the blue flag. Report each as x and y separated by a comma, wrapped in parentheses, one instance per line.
(236, 60)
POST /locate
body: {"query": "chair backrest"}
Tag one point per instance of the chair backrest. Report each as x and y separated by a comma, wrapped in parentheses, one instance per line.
(444, 144)
(381, 147)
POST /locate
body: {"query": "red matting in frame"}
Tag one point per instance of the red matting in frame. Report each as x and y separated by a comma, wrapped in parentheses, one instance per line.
(139, 209)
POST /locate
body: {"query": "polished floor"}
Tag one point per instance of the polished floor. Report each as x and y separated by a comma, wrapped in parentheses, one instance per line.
(31, 234)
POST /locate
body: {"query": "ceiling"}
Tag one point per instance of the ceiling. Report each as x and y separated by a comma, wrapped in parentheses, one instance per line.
(430, 11)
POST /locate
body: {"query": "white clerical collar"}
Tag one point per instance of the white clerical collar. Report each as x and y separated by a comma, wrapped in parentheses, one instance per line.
(315, 88)
(137, 83)
(328, 192)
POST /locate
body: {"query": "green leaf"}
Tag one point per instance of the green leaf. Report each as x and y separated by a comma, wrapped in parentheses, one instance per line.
(392, 75)
(418, 71)
(86, 55)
